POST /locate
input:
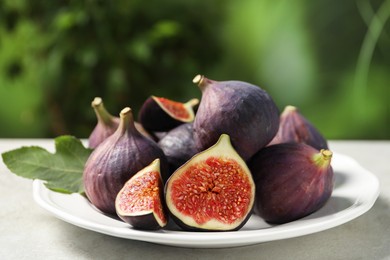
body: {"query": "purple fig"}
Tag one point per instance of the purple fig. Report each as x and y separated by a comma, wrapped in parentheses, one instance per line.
(160, 114)
(107, 124)
(116, 160)
(243, 111)
(178, 145)
(141, 201)
(214, 190)
(159, 135)
(294, 127)
(292, 180)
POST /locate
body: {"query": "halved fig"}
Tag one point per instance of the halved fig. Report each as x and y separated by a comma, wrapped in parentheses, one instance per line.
(292, 180)
(141, 202)
(295, 128)
(159, 114)
(213, 191)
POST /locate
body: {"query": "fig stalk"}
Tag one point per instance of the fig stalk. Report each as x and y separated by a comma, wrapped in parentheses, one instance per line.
(102, 114)
(323, 158)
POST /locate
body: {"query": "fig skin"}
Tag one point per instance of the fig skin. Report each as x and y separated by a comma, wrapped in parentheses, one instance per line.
(145, 218)
(223, 190)
(292, 180)
(295, 128)
(243, 111)
(155, 117)
(116, 160)
(178, 145)
(107, 124)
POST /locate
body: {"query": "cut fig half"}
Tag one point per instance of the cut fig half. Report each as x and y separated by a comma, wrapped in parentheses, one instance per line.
(180, 111)
(140, 202)
(161, 114)
(213, 191)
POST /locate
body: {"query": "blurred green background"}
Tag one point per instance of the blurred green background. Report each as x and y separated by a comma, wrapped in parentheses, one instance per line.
(329, 58)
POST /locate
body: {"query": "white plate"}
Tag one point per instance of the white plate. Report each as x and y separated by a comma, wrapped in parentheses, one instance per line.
(355, 192)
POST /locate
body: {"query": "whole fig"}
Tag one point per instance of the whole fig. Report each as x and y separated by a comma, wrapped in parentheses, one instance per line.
(292, 180)
(243, 111)
(159, 114)
(214, 190)
(141, 200)
(107, 124)
(294, 127)
(116, 160)
(178, 145)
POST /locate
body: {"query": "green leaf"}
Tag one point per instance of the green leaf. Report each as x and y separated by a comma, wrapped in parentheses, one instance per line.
(61, 171)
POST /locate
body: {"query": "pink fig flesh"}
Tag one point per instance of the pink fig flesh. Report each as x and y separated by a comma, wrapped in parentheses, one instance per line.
(140, 202)
(213, 191)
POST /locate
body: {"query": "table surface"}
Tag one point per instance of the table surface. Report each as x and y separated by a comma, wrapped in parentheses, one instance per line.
(28, 231)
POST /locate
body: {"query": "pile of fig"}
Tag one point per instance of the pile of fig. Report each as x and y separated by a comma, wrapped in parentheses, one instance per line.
(207, 164)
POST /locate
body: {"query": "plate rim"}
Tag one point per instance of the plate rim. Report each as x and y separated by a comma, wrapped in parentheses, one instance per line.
(361, 205)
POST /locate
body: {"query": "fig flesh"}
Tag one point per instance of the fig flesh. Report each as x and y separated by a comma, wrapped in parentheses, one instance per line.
(292, 180)
(294, 127)
(178, 145)
(140, 202)
(213, 191)
(159, 114)
(243, 111)
(116, 160)
(107, 124)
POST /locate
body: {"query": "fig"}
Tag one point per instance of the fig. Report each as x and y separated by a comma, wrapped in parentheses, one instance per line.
(140, 202)
(213, 191)
(178, 145)
(294, 127)
(159, 114)
(159, 135)
(116, 160)
(107, 124)
(292, 180)
(243, 111)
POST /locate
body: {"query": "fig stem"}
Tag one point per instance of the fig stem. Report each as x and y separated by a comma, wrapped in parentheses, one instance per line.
(101, 112)
(326, 154)
(323, 158)
(290, 108)
(198, 79)
(201, 81)
(126, 120)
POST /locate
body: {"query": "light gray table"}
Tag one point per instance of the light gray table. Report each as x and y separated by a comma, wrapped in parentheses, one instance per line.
(29, 232)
